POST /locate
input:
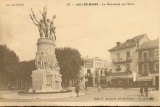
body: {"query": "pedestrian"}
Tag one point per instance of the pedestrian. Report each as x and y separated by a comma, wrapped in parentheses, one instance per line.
(99, 88)
(77, 90)
(141, 90)
(109, 83)
(146, 89)
(86, 83)
(9, 86)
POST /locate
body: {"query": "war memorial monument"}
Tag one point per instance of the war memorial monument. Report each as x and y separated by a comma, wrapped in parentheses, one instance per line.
(47, 77)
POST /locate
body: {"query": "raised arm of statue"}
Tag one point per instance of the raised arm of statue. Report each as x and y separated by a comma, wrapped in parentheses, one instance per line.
(33, 21)
(44, 17)
(34, 16)
(45, 11)
(41, 13)
(44, 14)
(36, 20)
(54, 16)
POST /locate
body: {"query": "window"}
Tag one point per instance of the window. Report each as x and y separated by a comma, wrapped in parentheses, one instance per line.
(101, 72)
(128, 55)
(88, 71)
(128, 67)
(118, 57)
(145, 68)
(157, 52)
(144, 55)
(156, 66)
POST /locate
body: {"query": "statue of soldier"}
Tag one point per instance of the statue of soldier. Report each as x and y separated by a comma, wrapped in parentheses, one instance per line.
(44, 14)
(47, 22)
(52, 29)
(48, 27)
(41, 25)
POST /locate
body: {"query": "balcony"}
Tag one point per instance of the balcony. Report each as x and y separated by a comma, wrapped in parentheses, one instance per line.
(155, 71)
(144, 72)
(122, 60)
(148, 59)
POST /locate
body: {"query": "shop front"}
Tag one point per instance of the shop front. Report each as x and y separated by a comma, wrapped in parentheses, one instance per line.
(120, 80)
(155, 80)
(102, 80)
(145, 79)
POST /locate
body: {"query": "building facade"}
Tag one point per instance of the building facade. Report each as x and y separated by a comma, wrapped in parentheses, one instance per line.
(149, 63)
(124, 57)
(94, 71)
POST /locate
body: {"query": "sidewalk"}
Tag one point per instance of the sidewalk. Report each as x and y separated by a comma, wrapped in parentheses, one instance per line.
(17, 96)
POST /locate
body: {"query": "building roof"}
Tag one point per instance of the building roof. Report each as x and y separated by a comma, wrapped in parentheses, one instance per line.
(149, 44)
(124, 45)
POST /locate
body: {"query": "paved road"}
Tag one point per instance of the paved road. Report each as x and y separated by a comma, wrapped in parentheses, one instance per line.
(92, 95)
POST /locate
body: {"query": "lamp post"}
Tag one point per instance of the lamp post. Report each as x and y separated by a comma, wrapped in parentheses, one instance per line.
(86, 80)
(99, 72)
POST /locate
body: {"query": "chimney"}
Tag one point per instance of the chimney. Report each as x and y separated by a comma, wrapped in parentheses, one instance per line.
(118, 44)
(128, 42)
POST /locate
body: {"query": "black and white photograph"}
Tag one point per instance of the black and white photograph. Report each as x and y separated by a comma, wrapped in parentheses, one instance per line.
(78, 52)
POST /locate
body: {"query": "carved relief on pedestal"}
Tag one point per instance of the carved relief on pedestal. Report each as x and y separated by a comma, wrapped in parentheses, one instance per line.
(44, 60)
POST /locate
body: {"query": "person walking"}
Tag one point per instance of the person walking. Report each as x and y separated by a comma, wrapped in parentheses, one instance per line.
(77, 90)
(109, 83)
(99, 88)
(146, 89)
(141, 90)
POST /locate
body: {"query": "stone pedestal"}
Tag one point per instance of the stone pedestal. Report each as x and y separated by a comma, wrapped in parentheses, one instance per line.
(46, 81)
(47, 77)
(37, 80)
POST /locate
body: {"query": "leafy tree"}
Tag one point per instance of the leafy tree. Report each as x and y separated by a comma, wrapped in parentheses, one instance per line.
(8, 65)
(70, 62)
(25, 72)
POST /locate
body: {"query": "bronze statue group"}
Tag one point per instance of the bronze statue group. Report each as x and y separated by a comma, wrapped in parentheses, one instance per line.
(45, 26)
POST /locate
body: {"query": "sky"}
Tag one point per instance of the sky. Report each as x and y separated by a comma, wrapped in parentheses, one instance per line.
(93, 30)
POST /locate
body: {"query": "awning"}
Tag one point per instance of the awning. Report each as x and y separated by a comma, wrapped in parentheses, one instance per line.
(144, 78)
(115, 77)
(154, 74)
(122, 75)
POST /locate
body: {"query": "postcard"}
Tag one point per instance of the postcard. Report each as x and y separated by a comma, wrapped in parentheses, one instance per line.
(78, 52)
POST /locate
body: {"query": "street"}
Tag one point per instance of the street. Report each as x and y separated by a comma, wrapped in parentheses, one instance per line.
(92, 95)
